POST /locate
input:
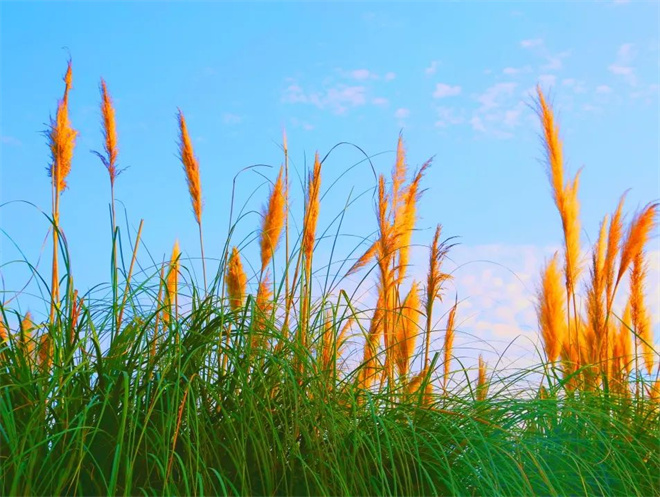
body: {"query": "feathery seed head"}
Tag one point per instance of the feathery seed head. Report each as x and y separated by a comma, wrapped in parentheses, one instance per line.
(109, 132)
(553, 146)
(449, 344)
(482, 386)
(26, 340)
(435, 277)
(4, 334)
(624, 338)
(551, 309)
(191, 168)
(236, 280)
(312, 207)
(405, 222)
(640, 316)
(44, 357)
(407, 329)
(273, 221)
(637, 236)
(68, 80)
(173, 274)
(613, 242)
(62, 140)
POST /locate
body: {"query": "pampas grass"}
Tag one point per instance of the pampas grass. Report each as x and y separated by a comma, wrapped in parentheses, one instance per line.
(262, 384)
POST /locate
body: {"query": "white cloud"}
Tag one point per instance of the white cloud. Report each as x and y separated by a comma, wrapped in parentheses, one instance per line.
(448, 116)
(477, 124)
(362, 74)
(602, 89)
(10, 140)
(433, 68)
(389, 76)
(380, 101)
(512, 71)
(575, 85)
(443, 90)
(229, 118)
(500, 111)
(493, 95)
(555, 62)
(402, 113)
(337, 99)
(512, 117)
(622, 65)
(536, 42)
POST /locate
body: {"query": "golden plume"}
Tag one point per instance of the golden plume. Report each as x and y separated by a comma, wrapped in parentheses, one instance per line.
(109, 133)
(640, 316)
(236, 280)
(407, 330)
(551, 310)
(482, 385)
(172, 284)
(312, 206)
(273, 222)
(434, 282)
(637, 236)
(448, 345)
(62, 139)
(191, 168)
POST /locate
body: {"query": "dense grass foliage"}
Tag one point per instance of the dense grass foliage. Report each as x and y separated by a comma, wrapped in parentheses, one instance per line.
(170, 387)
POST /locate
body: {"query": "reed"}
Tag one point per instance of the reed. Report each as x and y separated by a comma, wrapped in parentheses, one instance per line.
(135, 392)
(482, 383)
(434, 282)
(565, 197)
(62, 140)
(407, 331)
(172, 285)
(273, 222)
(551, 310)
(191, 169)
(448, 345)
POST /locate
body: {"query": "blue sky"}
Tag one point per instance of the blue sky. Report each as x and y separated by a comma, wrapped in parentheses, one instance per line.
(456, 79)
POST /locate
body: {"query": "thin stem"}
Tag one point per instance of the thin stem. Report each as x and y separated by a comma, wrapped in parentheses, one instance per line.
(201, 245)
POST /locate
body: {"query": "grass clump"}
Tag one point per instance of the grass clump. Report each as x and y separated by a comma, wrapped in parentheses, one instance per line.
(235, 388)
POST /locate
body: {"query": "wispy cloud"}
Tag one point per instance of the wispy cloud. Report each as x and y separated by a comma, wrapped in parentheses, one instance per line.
(443, 90)
(477, 124)
(512, 71)
(362, 74)
(492, 97)
(622, 66)
(337, 99)
(432, 68)
(229, 118)
(603, 89)
(10, 140)
(574, 84)
(536, 42)
(500, 111)
(389, 76)
(448, 116)
(555, 61)
(402, 113)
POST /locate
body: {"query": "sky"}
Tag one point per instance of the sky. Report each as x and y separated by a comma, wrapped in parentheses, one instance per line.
(456, 79)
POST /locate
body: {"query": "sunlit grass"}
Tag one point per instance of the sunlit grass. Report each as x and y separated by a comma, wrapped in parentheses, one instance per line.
(246, 384)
